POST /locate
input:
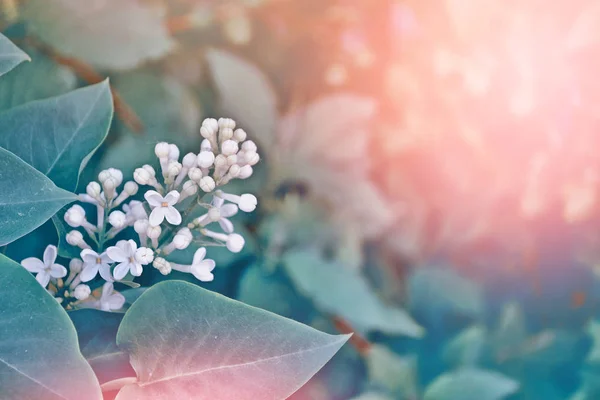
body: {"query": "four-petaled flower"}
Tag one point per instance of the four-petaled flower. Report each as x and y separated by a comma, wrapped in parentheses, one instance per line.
(94, 263)
(110, 300)
(45, 269)
(125, 253)
(162, 207)
(220, 212)
(201, 268)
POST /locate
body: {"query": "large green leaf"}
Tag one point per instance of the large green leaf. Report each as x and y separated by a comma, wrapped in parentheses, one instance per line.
(117, 34)
(344, 292)
(187, 342)
(39, 355)
(97, 333)
(39, 79)
(471, 384)
(58, 135)
(27, 198)
(10, 55)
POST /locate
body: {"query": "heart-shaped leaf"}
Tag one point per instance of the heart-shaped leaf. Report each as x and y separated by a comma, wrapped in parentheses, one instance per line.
(27, 198)
(117, 34)
(58, 135)
(10, 55)
(471, 384)
(187, 342)
(39, 355)
(97, 333)
(344, 292)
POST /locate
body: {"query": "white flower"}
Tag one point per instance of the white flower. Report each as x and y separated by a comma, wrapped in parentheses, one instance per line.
(200, 268)
(245, 172)
(219, 213)
(75, 265)
(233, 242)
(143, 177)
(239, 135)
(206, 159)
(229, 147)
(131, 188)
(94, 263)
(118, 219)
(162, 265)
(162, 207)
(246, 202)
(195, 174)
(144, 255)
(75, 216)
(207, 184)
(110, 300)
(45, 269)
(173, 152)
(82, 292)
(162, 150)
(93, 190)
(125, 254)
(134, 211)
(183, 238)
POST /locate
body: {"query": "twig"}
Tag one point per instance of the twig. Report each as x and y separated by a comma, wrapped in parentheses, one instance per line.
(361, 344)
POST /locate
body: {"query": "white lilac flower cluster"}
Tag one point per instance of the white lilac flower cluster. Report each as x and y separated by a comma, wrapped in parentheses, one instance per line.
(163, 223)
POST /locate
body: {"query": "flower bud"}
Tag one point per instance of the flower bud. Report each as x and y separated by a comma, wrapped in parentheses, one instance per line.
(82, 292)
(74, 238)
(214, 214)
(206, 146)
(225, 134)
(207, 184)
(183, 238)
(226, 123)
(144, 255)
(195, 174)
(75, 265)
(173, 152)
(249, 145)
(141, 176)
(75, 216)
(153, 232)
(141, 226)
(220, 161)
(247, 202)
(206, 159)
(131, 188)
(149, 169)
(162, 265)
(189, 160)
(190, 188)
(235, 243)
(232, 159)
(93, 190)
(229, 147)
(239, 135)
(245, 172)
(234, 171)
(117, 219)
(174, 168)
(162, 150)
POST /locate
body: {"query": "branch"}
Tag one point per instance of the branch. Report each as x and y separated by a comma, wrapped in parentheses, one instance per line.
(361, 344)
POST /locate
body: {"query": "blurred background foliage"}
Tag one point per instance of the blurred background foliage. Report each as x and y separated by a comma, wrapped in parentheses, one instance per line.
(429, 175)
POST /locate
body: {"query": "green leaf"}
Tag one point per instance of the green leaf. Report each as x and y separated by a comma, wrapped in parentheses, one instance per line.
(39, 355)
(27, 198)
(97, 333)
(186, 341)
(471, 384)
(114, 34)
(466, 348)
(39, 79)
(442, 289)
(10, 55)
(58, 135)
(344, 292)
(245, 94)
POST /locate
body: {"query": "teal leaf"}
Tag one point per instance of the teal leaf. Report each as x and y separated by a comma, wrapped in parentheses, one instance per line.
(372, 396)
(39, 355)
(97, 333)
(57, 135)
(245, 94)
(39, 79)
(443, 290)
(27, 198)
(471, 384)
(113, 34)
(466, 349)
(398, 375)
(10, 55)
(64, 249)
(344, 292)
(186, 341)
